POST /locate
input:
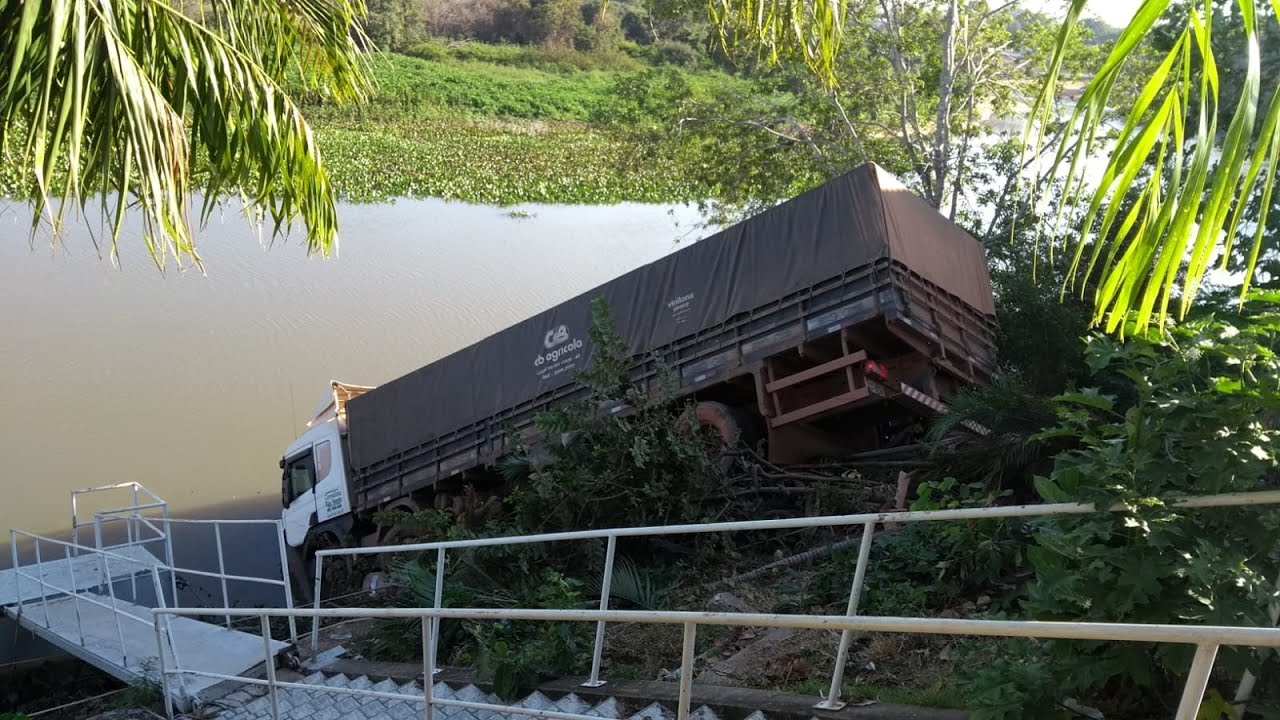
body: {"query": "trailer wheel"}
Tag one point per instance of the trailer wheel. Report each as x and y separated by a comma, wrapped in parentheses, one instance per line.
(731, 426)
(719, 419)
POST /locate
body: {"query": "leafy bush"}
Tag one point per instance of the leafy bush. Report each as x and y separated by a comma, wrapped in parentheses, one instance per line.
(509, 654)
(1192, 415)
(512, 655)
(431, 51)
(924, 567)
(1004, 679)
(945, 563)
(676, 53)
(1008, 453)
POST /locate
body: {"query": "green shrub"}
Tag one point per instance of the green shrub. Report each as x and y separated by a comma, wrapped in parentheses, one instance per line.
(1194, 414)
(512, 655)
(431, 51)
(923, 568)
(676, 53)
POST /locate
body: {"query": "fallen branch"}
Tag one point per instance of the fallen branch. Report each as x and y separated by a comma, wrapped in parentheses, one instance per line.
(803, 557)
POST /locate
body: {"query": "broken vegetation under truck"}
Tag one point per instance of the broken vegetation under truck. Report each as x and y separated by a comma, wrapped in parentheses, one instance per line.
(832, 323)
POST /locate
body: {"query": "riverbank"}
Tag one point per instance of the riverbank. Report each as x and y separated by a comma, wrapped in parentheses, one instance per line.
(462, 125)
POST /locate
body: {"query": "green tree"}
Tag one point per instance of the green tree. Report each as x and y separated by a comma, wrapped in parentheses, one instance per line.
(555, 23)
(1200, 177)
(393, 24)
(916, 88)
(139, 103)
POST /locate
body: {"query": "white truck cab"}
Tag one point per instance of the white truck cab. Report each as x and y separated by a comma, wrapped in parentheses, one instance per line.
(315, 484)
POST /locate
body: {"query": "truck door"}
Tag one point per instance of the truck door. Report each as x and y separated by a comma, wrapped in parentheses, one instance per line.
(299, 496)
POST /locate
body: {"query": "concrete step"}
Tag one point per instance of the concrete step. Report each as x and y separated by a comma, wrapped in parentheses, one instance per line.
(318, 704)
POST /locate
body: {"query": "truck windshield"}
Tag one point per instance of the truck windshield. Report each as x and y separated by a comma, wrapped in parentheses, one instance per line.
(299, 476)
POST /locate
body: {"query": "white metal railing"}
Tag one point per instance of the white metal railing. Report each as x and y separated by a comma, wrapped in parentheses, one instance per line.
(131, 510)
(137, 526)
(130, 513)
(1206, 639)
(80, 595)
(223, 576)
(868, 522)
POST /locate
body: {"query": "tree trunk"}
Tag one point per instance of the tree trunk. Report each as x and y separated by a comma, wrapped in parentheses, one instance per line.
(941, 154)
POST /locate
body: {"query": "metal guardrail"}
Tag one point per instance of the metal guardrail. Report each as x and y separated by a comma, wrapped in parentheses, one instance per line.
(1206, 639)
(106, 596)
(868, 522)
(135, 522)
(78, 595)
(222, 576)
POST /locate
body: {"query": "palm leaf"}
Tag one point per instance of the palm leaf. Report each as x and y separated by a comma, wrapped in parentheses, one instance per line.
(634, 586)
(808, 30)
(134, 104)
(1166, 205)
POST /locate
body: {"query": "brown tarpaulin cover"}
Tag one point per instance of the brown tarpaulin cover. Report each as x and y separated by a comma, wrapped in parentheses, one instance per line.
(854, 220)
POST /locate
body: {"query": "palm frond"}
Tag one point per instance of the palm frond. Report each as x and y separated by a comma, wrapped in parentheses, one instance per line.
(634, 586)
(809, 30)
(1169, 201)
(136, 104)
(1008, 453)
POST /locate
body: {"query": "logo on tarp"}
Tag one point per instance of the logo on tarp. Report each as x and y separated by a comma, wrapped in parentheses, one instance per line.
(680, 303)
(558, 336)
(680, 306)
(558, 344)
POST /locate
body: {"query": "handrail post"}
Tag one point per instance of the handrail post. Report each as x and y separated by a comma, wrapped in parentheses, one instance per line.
(285, 578)
(115, 611)
(439, 603)
(686, 671)
(17, 574)
(222, 568)
(315, 603)
(44, 601)
(271, 668)
(136, 531)
(1244, 691)
(428, 664)
(1197, 681)
(164, 675)
(75, 592)
(832, 701)
(606, 583)
(97, 544)
(75, 528)
(133, 577)
(168, 628)
(168, 555)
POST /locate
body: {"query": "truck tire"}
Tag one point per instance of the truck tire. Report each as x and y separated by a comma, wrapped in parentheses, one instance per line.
(720, 419)
(732, 426)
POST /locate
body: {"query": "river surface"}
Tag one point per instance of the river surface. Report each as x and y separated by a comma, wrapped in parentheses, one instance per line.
(193, 384)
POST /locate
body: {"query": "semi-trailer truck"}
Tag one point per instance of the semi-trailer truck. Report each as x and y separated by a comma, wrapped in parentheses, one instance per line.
(831, 323)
